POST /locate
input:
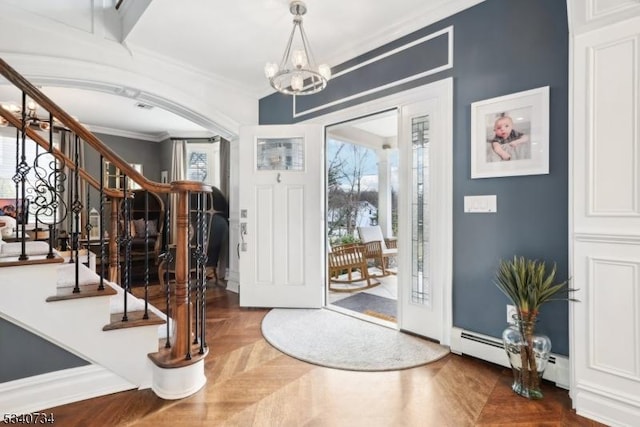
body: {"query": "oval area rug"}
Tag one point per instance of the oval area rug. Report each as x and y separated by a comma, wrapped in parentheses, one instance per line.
(334, 340)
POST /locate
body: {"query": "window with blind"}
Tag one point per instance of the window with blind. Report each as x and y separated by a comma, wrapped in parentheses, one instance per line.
(203, 160)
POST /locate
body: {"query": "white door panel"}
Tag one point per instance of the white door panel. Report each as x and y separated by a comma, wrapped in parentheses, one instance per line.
(425, 205)
(281, 243)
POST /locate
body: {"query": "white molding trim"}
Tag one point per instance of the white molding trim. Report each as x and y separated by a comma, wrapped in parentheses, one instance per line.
(448, 65)
(605, 405)
(127, 134)
(626, 239)
(587, 16)
(149, 137)
(598, 73)
(609, 393)
(95, 76)
(432, 12)
(137, 94)
(233, 285)
(59, 388)
(594, 12)
(447, 30)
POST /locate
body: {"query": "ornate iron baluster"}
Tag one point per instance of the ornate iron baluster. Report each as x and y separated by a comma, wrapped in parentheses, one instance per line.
(76, 208)
(22, 169)
(146, 255)
(203, 259)
(103, 257)
(197, 258)
(50, 189)
(126, 240)
(45, 202)
(88, 227)
(189, 265)
(167, 260)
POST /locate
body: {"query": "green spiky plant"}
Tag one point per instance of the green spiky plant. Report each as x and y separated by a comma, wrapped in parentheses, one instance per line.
(528, 285)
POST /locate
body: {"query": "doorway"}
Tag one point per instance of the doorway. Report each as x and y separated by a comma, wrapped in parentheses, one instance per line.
(425, 203)
(362, 197)
(424, 290)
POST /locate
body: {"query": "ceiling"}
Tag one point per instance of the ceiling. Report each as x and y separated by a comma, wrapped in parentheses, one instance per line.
(232, 40)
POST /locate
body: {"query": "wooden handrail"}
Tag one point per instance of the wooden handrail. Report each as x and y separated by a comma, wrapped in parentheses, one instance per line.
(181, 350)
(42, 100)
(59, 155)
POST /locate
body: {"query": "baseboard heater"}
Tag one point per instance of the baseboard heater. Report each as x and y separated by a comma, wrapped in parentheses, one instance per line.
(492, 350)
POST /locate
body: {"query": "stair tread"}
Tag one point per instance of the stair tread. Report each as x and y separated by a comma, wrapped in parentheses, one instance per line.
(163, 358)
(86, 291)
(13, 261)
(135, 319)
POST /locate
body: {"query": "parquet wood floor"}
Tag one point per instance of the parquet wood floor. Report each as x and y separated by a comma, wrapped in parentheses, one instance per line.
(252, 384)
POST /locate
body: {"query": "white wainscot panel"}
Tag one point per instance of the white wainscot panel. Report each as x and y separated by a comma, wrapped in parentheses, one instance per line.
(599, 8)
(612, 172)
(295, 235)
(265, 238)
(605, 322)
(613, 310)
(589, 15)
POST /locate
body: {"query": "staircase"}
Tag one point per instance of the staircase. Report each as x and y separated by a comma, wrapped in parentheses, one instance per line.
(127, 343)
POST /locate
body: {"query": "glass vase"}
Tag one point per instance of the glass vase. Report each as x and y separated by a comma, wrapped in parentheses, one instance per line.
(528, 354)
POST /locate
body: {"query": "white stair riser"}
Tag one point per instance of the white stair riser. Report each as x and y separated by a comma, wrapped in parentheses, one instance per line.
(76, 325)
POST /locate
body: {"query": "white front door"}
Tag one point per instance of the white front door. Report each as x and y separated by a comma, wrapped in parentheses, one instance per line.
(281, 216)
(425, 206)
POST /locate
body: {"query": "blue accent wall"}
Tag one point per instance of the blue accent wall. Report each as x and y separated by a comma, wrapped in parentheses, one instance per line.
(24, 354)
(500, 47)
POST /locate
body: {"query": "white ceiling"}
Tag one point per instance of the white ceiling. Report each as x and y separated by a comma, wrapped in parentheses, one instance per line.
(232, 40)
(103, 113)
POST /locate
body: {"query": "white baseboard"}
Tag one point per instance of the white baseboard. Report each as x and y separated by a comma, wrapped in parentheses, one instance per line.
(606, 405)
(233, 286)
(492, 350)
(45, 391)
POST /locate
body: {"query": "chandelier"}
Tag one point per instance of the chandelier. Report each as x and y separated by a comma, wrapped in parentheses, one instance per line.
(297, 73)
(31, 116)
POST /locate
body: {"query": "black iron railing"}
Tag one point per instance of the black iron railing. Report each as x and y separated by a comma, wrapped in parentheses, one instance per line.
(55, 191)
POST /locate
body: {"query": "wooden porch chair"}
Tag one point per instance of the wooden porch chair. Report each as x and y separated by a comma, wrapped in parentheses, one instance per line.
(377, 248)
(349, 258)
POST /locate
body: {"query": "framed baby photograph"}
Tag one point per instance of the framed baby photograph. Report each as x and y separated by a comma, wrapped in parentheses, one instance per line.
(510, 135)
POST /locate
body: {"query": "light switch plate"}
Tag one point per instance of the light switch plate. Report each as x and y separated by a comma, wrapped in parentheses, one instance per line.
(480, 204)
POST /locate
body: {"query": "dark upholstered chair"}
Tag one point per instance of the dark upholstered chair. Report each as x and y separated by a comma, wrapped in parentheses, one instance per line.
(155, 225)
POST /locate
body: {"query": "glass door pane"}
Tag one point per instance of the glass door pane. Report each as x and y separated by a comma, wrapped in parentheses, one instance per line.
(420, 271)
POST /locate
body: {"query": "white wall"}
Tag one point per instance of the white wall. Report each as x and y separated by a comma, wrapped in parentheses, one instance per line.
(605, 210)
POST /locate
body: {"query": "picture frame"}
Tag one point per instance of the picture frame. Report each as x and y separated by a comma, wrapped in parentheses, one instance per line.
(510, 135)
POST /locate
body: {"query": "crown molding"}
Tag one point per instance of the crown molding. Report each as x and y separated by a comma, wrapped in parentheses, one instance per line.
(128, 134)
